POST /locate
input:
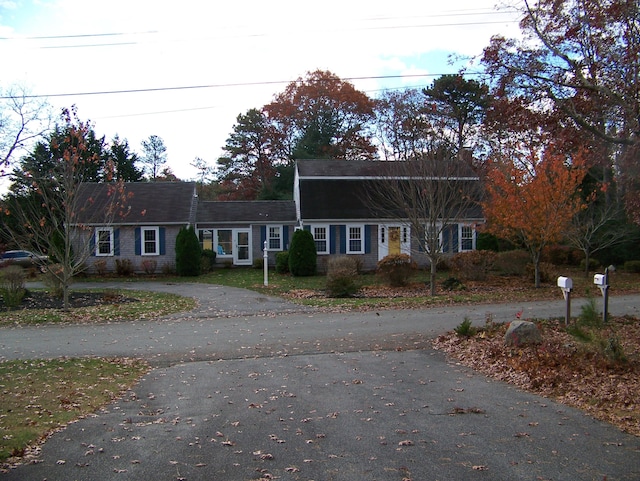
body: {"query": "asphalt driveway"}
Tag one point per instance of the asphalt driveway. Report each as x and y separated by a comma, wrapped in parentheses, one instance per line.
(250, 387)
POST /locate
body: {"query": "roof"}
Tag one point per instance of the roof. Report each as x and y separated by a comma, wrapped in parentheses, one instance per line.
(249, 211)
(151, 203)
(341, 168)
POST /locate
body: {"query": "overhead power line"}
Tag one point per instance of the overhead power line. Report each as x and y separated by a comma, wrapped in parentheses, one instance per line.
(225, 85)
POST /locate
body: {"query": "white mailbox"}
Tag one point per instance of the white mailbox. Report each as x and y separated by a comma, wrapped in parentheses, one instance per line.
(600, 280)
(565, 282)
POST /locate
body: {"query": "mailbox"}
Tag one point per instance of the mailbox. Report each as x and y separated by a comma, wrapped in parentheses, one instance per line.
(565, 282)
(600, 280)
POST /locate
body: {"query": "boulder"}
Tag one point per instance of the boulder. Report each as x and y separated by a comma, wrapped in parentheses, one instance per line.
(522, 333)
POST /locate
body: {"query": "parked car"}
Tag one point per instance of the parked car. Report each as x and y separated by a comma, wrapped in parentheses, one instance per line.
(23, 259)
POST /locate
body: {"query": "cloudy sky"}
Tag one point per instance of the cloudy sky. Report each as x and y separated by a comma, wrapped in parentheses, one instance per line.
(184, 70)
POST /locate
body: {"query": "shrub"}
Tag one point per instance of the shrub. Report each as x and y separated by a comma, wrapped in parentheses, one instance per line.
(52, 279)
(465, 329)
(124, 267)
(557, 255)
(512, 263)
(632, 267)
(302, 254)
(593, 264)
(547, 271)
(396, 269)
(168, 269)
(258, 263)
(342, 272)
(149, 266)
(208, 260)
(453, 284)
(100, 267)
(188, 252)
(282, 262)
(473, 265)
(12, 286)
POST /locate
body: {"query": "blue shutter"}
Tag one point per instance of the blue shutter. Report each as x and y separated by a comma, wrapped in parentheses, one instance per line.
(263, 236)
(367, 239)
(92, 243)
(332, 239)
(161, 233)
(116, 242)
(454, 235)
(343, 239)
(137, 241)
(285, 237)
(446, 238)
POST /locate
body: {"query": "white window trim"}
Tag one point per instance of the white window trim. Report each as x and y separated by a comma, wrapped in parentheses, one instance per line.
(157, 242)
(473, 238)
(269, 238)
(97, 241)
(348, 238)
(327, 240)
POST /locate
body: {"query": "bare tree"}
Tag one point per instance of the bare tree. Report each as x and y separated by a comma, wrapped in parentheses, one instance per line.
(53, 216)
(430, 194)
(23, 119)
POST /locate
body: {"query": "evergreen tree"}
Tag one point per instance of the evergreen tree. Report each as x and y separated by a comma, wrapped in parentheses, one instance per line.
(188, 252)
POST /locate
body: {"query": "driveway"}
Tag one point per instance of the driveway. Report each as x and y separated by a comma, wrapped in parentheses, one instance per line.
(252, 387)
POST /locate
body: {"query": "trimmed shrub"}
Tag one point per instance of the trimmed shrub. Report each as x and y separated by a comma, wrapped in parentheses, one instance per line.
(12, 286)
(548, 272)
(100, 267)
(124, 267)
(593, 264)
(512, 263)
(188, 252)
(208, 260)
(396, 269)
(342, 272)
(149, 266)
(473, 265)
(282, 262)
(557, 255)
(258, 263)
(52, 279)
(302, 254)
(632, 267)
(453, 284)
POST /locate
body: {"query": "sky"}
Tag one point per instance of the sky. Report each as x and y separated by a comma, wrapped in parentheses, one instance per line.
(184, 70)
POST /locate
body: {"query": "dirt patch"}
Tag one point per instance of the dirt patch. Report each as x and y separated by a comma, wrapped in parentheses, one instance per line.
(43, 300)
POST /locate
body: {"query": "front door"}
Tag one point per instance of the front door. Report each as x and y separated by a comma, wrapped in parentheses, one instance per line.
(242, 247)
(394, 240)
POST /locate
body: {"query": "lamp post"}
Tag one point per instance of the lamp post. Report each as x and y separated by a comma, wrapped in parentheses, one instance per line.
(265, 262)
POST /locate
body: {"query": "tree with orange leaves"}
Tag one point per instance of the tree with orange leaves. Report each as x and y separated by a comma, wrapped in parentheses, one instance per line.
(531, 200)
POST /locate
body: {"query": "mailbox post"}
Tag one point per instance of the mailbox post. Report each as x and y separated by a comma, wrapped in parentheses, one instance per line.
(566, 284)
(602, 281)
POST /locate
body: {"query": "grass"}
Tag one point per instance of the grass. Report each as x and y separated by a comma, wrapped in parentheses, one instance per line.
(38, 397)
(148, 305)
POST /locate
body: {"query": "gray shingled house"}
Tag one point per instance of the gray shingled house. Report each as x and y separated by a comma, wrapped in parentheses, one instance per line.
(329, 200)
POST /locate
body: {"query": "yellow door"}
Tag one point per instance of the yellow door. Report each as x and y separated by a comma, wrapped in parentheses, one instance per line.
(394, 240)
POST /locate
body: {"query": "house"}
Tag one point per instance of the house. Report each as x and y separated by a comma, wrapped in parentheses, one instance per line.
(330, 200)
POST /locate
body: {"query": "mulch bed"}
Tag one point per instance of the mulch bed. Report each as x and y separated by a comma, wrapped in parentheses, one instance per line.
(43, 300)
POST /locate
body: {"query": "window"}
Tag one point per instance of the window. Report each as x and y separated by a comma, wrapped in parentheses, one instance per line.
(355, 239)
(274, 238)
(104, 241)
(150, 241)
(321, 238)
(206, 239)
(466, 238)
(224, 246)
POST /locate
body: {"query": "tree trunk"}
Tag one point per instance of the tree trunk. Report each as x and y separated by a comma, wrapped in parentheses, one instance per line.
(432, 277)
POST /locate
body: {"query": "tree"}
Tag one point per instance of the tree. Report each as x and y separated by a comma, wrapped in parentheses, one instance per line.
(531, 200)
(583, 58)
(22, 120)
(456, 107)
(402, 127)
(124, 161)
(430, 194)
(248, 168)
(322, 116)
(46, 213)
(302, 254)
(188, 252)
(154, 157)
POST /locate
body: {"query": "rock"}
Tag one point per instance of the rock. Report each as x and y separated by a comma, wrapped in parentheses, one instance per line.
(522, 333)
